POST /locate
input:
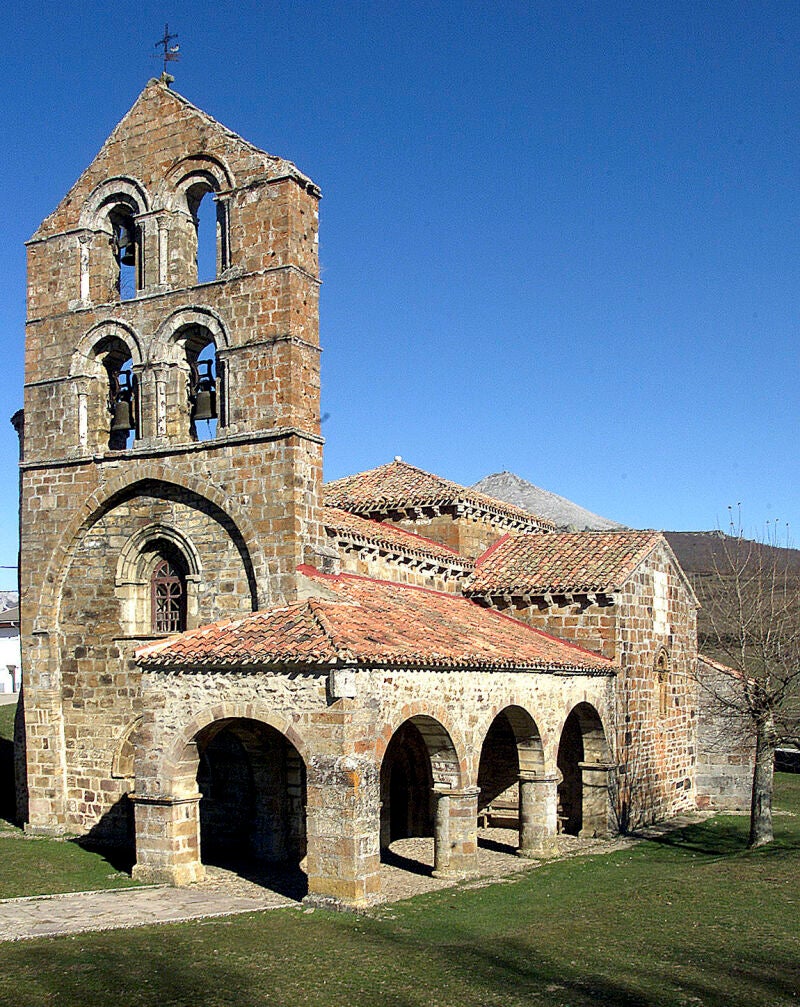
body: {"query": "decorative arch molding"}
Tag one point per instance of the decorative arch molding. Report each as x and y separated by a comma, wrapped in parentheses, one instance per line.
(171, 193)
(122, 763)
(48, 615)
(157, 531)
(108, 329)
(178, 765)
(133, 577)
(120, 189)
(162, 347)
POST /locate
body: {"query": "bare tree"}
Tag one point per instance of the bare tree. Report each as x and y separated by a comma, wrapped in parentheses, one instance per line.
(750, 623)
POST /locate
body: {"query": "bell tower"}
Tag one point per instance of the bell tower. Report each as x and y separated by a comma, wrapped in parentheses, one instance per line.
(173, 461)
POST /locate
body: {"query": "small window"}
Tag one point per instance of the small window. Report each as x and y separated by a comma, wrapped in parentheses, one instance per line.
(662, 675)
(169, 598)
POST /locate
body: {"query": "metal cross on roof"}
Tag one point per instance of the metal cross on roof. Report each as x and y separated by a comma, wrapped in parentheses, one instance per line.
(170, 52)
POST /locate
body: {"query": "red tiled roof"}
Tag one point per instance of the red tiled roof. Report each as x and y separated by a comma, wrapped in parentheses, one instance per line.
(357, 620)
(398, 485)
(560, 563)
(387, 536)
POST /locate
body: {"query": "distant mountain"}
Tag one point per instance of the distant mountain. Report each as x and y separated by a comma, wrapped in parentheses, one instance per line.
(699, 551)
(513, 489)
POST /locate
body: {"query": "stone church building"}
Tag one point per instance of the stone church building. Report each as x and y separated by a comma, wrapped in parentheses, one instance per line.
(225, 660)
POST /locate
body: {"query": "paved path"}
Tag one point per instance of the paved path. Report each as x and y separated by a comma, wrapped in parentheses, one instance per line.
(49, 915)
(407, 873)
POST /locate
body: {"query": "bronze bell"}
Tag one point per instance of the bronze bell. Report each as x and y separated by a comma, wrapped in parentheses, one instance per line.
(126, 244)
(204, 401)
(122, 402)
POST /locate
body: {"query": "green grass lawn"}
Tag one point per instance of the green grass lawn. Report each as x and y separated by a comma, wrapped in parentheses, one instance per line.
(695, 920)
(31, 866)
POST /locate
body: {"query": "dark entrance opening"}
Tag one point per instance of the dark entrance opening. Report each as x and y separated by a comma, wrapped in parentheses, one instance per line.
(570, 787)
(252, 809)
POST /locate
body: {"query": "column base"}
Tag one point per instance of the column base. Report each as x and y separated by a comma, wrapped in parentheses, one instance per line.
(47, 831)
(179, 876)
(452, 874)
(539, 853)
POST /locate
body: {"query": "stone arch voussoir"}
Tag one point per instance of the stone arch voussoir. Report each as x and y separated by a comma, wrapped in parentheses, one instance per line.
(174, 758)
(162, 346)
(446, 746)
(48, 613)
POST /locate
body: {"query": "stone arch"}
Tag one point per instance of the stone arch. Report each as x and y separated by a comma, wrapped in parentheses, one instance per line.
(123, 760)
(108, 329)
(186, 185)
(97, 503)
(114, 210)
(511, 747)
(193, 340)
(252, 766)
(119, 188)
(584, 762)
(132, 580)
(103, 353)
(419, 757)
(183, 173)
(162, 347)
(449, 736)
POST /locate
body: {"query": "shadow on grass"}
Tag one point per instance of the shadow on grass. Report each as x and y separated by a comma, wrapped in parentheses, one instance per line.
(721, 837)
(121, 858)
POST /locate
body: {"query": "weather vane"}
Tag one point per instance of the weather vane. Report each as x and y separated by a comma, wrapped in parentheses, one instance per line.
(170, 53)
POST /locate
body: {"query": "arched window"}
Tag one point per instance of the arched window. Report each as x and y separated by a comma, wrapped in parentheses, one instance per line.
(126, 245)
(210, 229)
(121, 403)
(157, 581)
(203, 385)
(168, 595)
(662, 677)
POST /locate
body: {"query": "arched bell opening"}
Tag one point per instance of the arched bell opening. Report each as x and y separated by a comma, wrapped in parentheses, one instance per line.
(512, 746)
(208, 214)
(205, 394)
(126, 250)
(252, 782)
(113, 415)
(583, 755)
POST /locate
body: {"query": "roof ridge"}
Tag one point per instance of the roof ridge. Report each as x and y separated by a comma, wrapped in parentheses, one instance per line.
(315, 608)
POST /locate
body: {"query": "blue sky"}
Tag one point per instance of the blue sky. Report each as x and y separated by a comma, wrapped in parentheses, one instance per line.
(556, 238)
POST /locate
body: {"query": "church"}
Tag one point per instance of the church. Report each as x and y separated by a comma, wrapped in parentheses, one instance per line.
(225, 659)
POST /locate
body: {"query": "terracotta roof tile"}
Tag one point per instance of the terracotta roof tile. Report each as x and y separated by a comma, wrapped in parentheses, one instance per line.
(399, 485)
(357, 620)
(561, 563)
(387, 536)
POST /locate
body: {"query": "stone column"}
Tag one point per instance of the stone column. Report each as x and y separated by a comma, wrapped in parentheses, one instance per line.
(343, 827)
(538, 803)
(455, 843)
(168, 840)
(595, 799)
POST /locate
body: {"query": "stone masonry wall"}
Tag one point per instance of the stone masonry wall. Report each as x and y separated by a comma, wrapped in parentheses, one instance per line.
(247, 502)
(656, 731)
(341, 725)
(725, 744)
